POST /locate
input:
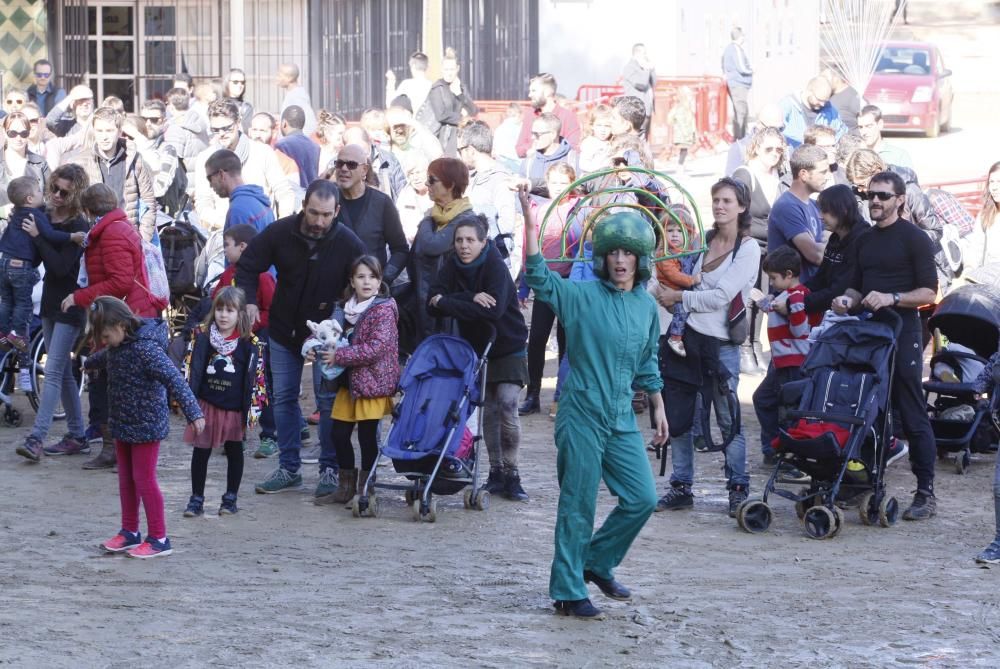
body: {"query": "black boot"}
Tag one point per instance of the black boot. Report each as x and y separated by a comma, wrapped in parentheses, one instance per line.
(512, 489)
(495, 483)
(530, 404)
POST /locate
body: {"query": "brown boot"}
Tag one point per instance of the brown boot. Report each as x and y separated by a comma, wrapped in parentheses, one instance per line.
(107, 458)
(346, 487)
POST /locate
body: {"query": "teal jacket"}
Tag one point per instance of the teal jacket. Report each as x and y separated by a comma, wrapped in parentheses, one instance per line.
(612, 338)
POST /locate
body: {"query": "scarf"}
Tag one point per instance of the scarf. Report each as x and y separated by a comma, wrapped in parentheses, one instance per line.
(353, 309)
(442, 216)
(470, 270)
(220, 343)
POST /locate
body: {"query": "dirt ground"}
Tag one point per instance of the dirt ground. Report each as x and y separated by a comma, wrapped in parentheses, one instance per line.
(287, 583)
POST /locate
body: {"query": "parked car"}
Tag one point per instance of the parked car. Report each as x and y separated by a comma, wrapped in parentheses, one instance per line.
(912, 87)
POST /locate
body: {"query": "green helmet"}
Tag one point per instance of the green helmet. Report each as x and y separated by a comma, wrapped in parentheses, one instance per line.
(624, 230)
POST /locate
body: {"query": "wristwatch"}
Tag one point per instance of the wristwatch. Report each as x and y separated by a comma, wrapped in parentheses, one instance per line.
(895, 299)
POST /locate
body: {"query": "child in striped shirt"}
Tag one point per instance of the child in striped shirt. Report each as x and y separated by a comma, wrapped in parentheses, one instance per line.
(788, 334)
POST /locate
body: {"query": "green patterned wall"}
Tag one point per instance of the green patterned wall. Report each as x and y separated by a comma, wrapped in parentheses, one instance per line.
(22, 39)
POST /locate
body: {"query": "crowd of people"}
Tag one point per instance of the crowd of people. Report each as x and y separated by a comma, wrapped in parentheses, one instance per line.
(422, 218)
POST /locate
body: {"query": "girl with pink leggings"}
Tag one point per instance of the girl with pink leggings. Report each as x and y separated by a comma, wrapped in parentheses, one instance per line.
(134, 353)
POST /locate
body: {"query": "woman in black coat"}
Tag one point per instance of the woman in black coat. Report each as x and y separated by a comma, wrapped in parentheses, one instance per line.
(475, 289)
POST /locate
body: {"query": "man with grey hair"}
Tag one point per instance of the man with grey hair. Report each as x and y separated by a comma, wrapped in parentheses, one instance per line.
(489, 191)
(739, 78)
(296, 94)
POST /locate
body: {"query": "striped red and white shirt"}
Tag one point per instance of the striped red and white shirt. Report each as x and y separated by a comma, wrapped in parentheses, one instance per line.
(789, 336)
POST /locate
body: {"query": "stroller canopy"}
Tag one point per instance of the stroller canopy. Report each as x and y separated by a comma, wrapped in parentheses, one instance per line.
(441, 355)
(970, 316)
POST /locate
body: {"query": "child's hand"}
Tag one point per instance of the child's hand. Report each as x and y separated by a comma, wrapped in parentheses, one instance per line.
(78, 238)
(198, 425)
(329, 357)
(696, 278)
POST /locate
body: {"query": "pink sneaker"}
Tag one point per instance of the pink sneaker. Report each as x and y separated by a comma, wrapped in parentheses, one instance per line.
(151, 548)
(122, 541)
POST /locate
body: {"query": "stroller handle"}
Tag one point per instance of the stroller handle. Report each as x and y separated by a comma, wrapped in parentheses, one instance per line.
(886, 316)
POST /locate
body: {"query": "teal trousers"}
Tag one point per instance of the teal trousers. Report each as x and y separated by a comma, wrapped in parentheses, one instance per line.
(586, 454)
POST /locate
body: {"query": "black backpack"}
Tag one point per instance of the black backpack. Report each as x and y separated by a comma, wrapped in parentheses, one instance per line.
(181, 244)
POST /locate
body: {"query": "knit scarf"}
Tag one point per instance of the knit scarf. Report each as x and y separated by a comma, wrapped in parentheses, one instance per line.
(220, 343)
(442, 216)
(353, 309)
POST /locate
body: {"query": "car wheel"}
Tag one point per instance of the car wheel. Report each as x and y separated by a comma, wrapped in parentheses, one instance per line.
(946, 125)
(935, 127)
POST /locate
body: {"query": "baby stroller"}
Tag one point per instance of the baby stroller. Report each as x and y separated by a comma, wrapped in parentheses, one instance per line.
(840, 430)
(964, 422)
(442, 384)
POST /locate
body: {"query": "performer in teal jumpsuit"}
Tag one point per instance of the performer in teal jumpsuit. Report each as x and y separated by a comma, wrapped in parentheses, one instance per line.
(612, 336)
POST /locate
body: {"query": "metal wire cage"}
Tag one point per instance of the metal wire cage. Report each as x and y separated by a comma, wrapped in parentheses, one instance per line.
(625, 188)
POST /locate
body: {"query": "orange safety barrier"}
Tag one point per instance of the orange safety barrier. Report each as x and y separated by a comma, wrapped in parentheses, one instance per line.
(968, 192)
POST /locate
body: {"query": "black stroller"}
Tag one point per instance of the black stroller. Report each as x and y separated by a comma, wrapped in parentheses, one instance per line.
(964, 422)
(839, 429)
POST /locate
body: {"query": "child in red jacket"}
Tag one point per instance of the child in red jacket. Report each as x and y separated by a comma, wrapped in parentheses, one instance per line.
(788, 334)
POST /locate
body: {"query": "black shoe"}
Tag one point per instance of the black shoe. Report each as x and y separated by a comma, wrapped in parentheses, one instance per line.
(495, 482)
(578, 608)
(789, 474)
(924, 506)
(699, 444)
(737, 495)
(512, 489)
(770, 459)
(529, 406)
(609, 586)
(678, 497)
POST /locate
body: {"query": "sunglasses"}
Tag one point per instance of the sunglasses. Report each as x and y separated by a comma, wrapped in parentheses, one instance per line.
(223, 129)
(56, 190)
(15, 102)
(18, 133)
(43, 75)
(349, 164)
(878, 195)
(536, 135)
(431, 180)
(619, 162)
(772, 149)
(153, 119)
(241, 82)
(208, 177)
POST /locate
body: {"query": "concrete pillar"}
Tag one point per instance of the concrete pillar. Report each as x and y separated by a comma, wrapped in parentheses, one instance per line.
(433, 44)
(237, 33)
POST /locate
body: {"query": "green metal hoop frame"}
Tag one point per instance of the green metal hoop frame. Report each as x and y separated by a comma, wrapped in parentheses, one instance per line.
(593, 217)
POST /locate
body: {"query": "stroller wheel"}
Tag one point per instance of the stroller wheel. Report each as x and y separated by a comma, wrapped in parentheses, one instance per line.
(467, 499)
(372, 506)
(356, 506)
(888, 512)
(819, 522)
(962, 462)
(409, 496)
(867, 511)
(432, 513)
(801, 507)
(415, 505)
(838, 517)
(481, 502)
(12, 417)
(754, 516)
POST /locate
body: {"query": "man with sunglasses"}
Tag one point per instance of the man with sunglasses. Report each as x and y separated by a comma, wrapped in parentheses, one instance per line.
(894, 269)
(548, 148)
(69, 116)
(44, 92)
(810, 107)
(260, 167)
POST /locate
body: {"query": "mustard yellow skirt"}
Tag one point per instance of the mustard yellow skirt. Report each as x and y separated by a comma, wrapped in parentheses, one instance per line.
(350, 410)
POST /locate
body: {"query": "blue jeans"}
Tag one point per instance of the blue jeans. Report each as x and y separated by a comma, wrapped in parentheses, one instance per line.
(16, 284)
(286, 372)
(682, 447)
(325, 394)
(60, 384)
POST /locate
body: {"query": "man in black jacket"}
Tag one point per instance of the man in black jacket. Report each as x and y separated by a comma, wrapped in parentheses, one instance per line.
(313, 256)
(369, 212)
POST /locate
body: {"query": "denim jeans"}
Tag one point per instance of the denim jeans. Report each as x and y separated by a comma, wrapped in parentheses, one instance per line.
(325, 394)
(682, 447)
(286, 372)
(60, 384)
(16, 284)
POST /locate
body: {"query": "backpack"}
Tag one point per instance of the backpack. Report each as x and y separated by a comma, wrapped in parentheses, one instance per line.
(181, 244)
(175, 198)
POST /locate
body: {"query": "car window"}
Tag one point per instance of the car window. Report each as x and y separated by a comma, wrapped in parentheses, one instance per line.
(899, 60)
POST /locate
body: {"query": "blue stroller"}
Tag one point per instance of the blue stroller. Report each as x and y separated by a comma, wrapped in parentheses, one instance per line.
(442, 384)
